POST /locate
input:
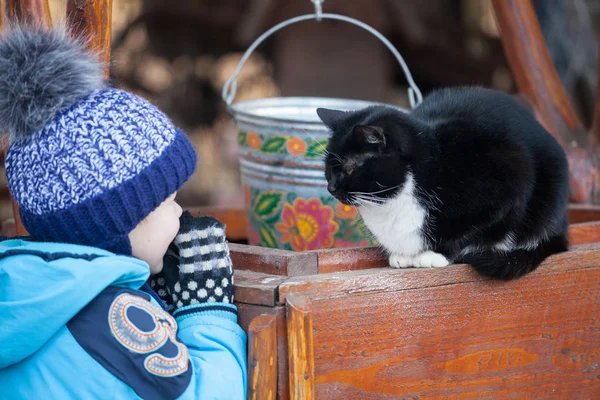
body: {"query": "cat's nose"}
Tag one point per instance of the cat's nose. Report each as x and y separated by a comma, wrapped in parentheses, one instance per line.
(332, 187)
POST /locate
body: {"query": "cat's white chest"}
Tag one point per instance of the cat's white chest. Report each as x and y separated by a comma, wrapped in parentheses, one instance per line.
(398, 224)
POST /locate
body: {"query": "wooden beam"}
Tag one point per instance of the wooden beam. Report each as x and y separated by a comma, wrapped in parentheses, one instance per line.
(92, 20)
(262, 358)
(29, 11)
(300, 348)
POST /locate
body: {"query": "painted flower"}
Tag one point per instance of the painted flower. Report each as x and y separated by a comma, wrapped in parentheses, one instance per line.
(296, 146)
(344, 211)
(253, 141)
(307, 225)
(339, 243)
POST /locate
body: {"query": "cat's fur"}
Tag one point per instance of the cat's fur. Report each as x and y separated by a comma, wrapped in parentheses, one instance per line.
(468, 176)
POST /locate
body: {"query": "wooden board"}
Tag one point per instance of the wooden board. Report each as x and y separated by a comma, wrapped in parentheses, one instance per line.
(247, 313)
(447, 333)
(256, 288)
(273, 261)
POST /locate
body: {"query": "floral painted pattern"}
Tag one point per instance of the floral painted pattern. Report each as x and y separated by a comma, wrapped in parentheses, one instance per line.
(296, 146)
(281, 219)
(345, 212)
(282, 144)
(254, 141)
(307, 225)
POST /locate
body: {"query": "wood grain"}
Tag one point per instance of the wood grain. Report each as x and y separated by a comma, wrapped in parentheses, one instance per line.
(92, 20)
(256, 288)
(376, 280)
(584, 233)
(273, 261)
(262, 358)
(535, 338)
(35, 12)
(583, 213)
(300, 348)
(246, 314)
(337, 260)
(447, 333)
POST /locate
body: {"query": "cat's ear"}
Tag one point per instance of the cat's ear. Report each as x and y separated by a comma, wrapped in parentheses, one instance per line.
(330, 117)
(370, 135)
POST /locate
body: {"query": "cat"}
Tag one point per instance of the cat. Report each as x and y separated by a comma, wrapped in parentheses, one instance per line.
(468, 176)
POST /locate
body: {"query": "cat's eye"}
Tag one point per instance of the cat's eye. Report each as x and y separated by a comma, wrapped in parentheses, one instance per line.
(349, 172)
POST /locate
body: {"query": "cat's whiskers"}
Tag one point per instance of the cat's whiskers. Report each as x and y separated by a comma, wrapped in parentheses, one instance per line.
(368, 200)
(377, 192)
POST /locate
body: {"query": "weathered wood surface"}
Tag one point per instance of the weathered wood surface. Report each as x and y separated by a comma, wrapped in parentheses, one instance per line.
(247, 313)
(538, 79)
(262, 358)
(300, 348)
(92, 20)
(273, 261)
(28, 11)
(448, 333)
(256, 288)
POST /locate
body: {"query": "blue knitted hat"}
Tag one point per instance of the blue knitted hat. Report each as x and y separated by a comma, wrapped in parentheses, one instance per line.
(86, 164)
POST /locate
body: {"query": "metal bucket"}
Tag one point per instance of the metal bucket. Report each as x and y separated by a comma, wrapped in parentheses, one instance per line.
(281, 144)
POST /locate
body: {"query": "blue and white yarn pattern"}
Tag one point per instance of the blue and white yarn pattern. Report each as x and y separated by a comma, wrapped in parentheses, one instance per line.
(96, 145)
(86, 164)
(97, 169)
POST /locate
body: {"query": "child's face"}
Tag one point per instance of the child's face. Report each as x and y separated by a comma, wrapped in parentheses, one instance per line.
(151, 238)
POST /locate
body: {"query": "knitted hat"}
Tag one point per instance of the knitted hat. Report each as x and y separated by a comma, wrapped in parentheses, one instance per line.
(85, 163)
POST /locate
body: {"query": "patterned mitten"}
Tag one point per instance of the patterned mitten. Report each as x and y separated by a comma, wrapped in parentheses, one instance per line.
(197, 268)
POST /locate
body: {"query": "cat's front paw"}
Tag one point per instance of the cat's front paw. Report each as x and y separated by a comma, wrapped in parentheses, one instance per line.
(430, 259)
(400, 261)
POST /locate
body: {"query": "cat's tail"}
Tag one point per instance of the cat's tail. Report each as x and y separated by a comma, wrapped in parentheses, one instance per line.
(516, 263)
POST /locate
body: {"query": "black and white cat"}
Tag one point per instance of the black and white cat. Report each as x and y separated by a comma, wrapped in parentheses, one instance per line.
(468, 176)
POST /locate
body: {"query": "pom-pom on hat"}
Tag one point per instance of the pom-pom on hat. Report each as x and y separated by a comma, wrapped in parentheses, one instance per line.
(85, 163)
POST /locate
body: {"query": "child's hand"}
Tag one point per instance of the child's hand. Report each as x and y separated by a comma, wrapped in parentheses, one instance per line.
(197, 268)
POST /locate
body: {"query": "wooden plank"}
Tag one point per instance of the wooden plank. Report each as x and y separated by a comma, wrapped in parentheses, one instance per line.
(338, 260)
(273, 261)
(300, 348)
(92, 20)
(583, 213)
(246, 313)
(29, 11)
(235, 219)
(584, 233)
(534, 338)
(256, 288)
(3, 18)
(262, 358)
(384, 280)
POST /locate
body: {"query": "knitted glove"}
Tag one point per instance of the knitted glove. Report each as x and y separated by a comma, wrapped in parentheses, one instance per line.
(197, 268)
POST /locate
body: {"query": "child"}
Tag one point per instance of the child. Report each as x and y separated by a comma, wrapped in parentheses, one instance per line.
(94, 171)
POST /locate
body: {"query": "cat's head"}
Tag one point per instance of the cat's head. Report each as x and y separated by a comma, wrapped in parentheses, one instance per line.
(368, 154)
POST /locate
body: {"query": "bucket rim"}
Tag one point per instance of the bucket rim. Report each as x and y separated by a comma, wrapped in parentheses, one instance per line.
(245, 108)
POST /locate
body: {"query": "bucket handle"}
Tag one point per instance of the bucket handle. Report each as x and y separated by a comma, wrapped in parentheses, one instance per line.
(230, 87)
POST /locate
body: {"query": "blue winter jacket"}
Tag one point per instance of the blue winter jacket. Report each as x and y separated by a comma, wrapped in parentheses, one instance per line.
(73, 325)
